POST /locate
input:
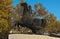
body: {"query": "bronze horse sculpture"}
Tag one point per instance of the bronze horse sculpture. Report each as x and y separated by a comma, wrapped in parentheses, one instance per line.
(35, 29)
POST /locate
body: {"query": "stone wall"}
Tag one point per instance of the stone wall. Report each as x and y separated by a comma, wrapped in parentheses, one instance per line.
(25, 36)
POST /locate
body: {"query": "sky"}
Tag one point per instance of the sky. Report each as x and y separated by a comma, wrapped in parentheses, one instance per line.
(52, 6)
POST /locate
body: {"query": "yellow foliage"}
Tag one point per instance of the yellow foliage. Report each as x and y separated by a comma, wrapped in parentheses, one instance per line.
(4, 24)
(4, 15)
(7, 2)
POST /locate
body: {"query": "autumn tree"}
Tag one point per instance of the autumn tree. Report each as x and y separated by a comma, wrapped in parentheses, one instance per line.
(51, 24)
(5, 7)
